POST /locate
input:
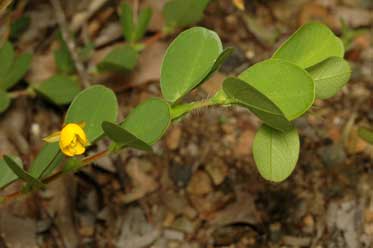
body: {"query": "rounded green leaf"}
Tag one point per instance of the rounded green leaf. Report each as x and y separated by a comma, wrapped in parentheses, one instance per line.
(60, 89)
(121, 58)
(330, 76)
(188, 61)
(124, 138)
(258, 103)
(275, 153)
(4, 101)
(309, 45)
(288, 86)
(149, 120)
(93, 106)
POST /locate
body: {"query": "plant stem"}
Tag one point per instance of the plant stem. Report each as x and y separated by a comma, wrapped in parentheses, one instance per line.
(26, 92)
(220, 98)
(53, 177)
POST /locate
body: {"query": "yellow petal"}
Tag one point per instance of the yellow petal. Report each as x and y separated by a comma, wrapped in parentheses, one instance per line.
(79, 149)
(69, 134)
(54, 137)
(67, 151)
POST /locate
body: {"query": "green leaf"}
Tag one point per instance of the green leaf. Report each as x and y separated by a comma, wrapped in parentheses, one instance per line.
(123, 137)
(6, 58)
(126, 19)
(121, 58)
(258, 103)
(142, 23)
(149, 120)
(63, 58)
(330, 76)
(179, 13)
(60, 89)
(275, 153)
(46, 161)
(309, 45)
(188, 61)
(4, 101)
(93, 106)
(288, 86)
(22, 174)
(7, 176)
(366, 134)
(17, 71)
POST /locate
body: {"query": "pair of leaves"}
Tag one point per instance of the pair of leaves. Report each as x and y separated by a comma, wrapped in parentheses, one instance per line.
(132, 31)
(275, 90)
(315, 47)
(144, 125)
(179, 13)
(12, 69)
(60, 89)
(93, 106)
(248, 96)
(120, 59)
(189, 60)
(289, 87)
(308, 65)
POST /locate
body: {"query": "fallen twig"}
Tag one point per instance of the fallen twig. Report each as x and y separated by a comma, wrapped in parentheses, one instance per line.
(61, 19)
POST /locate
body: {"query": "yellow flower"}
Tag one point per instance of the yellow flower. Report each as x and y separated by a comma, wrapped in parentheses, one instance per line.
(72, 139)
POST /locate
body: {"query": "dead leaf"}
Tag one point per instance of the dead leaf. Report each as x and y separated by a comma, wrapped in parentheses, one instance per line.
(135, 231)
(241, 211)
(142, 183)
(148, 68)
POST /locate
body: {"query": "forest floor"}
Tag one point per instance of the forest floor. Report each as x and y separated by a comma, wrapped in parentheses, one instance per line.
(200, 187)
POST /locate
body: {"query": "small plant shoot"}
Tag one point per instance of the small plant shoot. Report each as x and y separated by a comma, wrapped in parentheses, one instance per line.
(309, 65)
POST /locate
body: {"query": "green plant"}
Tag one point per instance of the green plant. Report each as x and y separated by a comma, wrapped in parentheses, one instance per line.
(177, 13)
(12, 69)
(278, 90)
(59, 89)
